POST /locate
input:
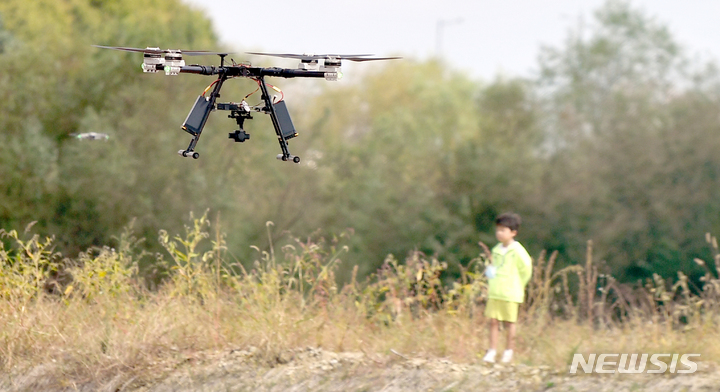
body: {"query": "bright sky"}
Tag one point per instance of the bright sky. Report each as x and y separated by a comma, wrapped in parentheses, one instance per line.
(481, 37)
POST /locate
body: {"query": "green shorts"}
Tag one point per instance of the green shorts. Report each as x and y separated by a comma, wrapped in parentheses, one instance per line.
(502, 310)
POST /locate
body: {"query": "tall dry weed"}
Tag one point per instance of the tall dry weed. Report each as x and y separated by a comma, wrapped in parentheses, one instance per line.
(104, 320)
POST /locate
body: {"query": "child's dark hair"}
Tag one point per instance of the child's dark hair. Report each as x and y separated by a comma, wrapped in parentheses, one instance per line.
(510, 220)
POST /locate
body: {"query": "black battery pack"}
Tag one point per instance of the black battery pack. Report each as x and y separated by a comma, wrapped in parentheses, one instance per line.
(197, 117)
(287, 129)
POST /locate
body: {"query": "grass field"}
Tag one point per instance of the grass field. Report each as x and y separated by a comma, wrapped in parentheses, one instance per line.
(95, 316)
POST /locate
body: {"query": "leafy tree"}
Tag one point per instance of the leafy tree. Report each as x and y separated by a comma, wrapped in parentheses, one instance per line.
(622, 149)
(616, 141)
(56, 84)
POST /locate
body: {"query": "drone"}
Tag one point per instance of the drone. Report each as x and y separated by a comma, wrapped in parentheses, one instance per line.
(90, 136)
(326, 66)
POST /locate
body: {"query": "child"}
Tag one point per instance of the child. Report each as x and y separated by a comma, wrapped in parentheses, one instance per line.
(508, 275)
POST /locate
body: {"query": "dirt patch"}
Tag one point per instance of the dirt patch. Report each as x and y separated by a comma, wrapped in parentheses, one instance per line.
(312, 369)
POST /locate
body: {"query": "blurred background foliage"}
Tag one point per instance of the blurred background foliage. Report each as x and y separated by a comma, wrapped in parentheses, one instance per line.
(616, 139)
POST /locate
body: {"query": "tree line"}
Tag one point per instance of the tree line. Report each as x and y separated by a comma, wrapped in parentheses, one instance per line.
(614, 140)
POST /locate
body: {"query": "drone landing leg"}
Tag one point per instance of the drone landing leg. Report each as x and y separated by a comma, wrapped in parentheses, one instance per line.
(196, 119)
(282, 137)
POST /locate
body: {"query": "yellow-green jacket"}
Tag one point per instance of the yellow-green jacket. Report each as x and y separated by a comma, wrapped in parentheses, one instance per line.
(512, 274)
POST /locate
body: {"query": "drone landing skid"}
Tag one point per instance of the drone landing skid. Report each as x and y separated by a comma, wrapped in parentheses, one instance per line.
(288, 158)
(188, 153)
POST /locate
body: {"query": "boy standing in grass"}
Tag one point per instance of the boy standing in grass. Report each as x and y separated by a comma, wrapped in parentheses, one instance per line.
(508, 275)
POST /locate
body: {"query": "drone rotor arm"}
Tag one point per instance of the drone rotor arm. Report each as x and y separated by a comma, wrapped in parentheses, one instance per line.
(290, 73)
(203, 53)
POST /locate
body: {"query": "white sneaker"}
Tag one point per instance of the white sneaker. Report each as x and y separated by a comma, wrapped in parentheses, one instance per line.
(490, 356)
(507, 356)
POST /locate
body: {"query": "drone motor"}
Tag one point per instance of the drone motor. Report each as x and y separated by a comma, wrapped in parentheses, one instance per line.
(173, 62)
(151, 61)
(309, 64)
(332, 64)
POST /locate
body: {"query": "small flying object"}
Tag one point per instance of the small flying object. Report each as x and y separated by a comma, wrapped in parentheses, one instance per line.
(90, 136)
(326, 66)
